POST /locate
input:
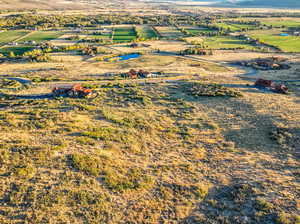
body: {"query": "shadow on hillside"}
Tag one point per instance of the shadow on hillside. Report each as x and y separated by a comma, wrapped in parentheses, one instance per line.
(241, 123)
(234, 203)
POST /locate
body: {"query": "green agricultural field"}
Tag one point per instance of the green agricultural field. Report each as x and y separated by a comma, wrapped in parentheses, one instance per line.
(286, 44)
(124, 34)
(8, 36)
(244, 26)
(226, 26)
(42, 36)
(169, 31)
(102, 36)
(235, 27)
(282, 23)
(146, 32)
(18, 50)
(197, 30)
(226, 42)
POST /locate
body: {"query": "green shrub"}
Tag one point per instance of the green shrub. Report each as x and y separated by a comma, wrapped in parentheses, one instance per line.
(8, 83)
(210, 89)
(263, 205)
(106, 134)
(132, 180)
(87, 164)
(285, 218)
(27, 171)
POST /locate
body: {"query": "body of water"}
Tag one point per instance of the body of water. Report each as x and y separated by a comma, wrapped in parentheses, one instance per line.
(128, 56)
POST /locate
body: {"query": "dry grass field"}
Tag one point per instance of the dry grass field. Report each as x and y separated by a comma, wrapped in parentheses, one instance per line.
(195, 142)
(197, 159)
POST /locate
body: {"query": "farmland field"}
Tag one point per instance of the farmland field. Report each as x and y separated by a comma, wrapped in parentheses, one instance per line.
(226, 42)
(8, 36)
(280, 23)
(146, 32)
(124, 34)
(196, 30)
(18, 50)
(235, 27)
(169, 31)
(100, 36)
(226, 26)
(42, 36)
(272, 37)
(275, 22)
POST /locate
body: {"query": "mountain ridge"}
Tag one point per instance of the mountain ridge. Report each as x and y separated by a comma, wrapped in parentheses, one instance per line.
(270, 3)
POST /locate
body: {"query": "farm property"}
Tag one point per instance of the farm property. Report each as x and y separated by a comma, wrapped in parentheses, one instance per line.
(226, 42)
(196, 30)
(8, 36)
(124, 34)
(18, 50)
(169, 31)
(42, 36)
(284, 43)
(146, 32)
(282, 23)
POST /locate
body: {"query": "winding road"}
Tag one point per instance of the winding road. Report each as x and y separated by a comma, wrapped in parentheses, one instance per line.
(250, 74)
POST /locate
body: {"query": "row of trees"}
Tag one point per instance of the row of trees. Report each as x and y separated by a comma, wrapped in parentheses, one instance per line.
(196, 51)
(36, 55)
(33, 21)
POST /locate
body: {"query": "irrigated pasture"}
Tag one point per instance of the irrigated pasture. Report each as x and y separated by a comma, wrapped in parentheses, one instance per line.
(124, 34)
(227, 42)
(284, 43)
(195, 30)
(146, 32)
(281, 23)
(18, 50)
(11, 35)
(169, 31)
(42, 36)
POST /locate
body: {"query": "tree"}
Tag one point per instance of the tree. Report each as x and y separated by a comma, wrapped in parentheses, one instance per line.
(12, 54)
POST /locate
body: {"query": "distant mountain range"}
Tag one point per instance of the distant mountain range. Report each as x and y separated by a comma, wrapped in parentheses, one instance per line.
(257, 3)
(92, 4)
(270, 3)
(54, 4)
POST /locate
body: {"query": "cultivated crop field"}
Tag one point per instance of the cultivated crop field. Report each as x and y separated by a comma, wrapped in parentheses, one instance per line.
(18, 50)
(9, 36)
(285, 43)
(42, 36)
(235, 27)
(124, 34)
(169, 31)
(146, 32)
(281, 22)
(193, 30)
(227, 42)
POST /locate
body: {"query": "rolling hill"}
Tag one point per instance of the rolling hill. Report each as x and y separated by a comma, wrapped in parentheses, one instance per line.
(51, 5)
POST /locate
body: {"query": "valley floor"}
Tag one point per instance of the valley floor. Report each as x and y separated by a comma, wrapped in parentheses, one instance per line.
(146, 150)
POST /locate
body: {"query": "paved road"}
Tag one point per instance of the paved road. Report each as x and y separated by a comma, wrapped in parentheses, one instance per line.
(20, 80)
